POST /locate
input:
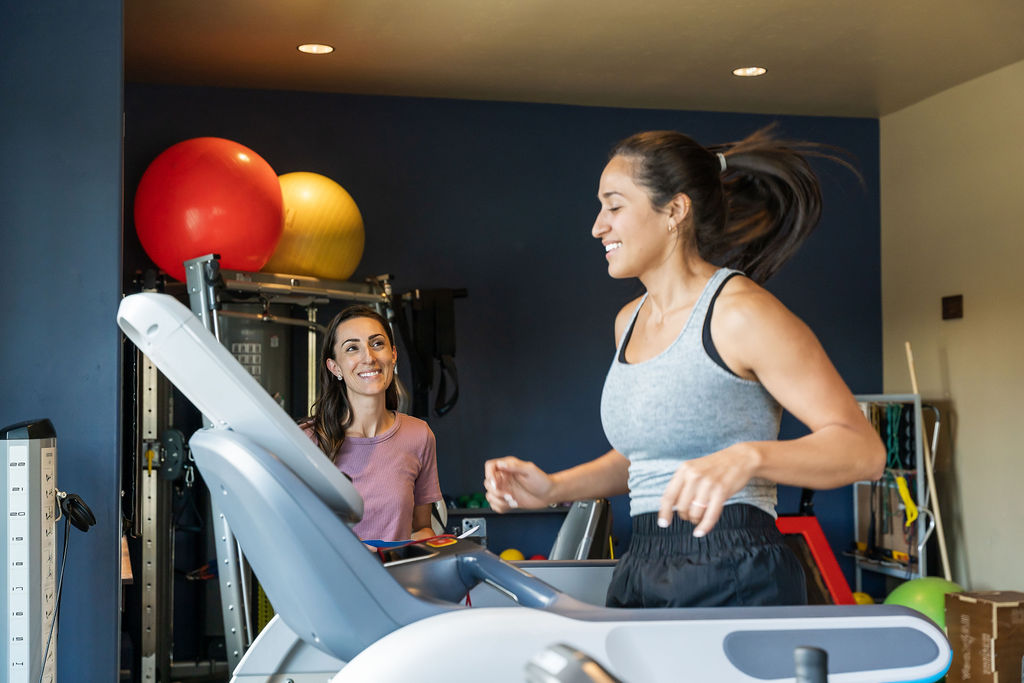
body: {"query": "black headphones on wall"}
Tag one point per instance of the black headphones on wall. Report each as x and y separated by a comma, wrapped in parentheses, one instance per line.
(75, 509)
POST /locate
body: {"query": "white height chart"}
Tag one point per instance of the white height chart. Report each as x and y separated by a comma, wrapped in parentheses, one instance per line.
(29, 552)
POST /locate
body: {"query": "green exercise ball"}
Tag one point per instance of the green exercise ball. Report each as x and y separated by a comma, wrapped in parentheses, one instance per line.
(927, 595)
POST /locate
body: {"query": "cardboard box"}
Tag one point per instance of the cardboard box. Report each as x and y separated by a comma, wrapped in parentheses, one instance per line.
(986, 631)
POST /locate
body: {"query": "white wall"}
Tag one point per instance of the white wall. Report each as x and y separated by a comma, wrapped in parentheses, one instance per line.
(952, 179)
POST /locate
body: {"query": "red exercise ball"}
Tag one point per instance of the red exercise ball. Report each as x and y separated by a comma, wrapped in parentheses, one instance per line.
(209, 195)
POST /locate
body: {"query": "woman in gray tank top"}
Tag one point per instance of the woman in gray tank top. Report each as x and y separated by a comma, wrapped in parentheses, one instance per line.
(705, 362)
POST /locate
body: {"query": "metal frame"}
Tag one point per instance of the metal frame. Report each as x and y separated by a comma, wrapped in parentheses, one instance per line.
(206, 284)
(154, 508)
(925, 522)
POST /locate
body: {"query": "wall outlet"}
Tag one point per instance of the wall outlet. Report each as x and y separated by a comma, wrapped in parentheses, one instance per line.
(953, 307)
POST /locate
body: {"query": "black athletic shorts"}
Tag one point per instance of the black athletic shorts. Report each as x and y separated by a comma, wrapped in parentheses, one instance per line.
(743, 561)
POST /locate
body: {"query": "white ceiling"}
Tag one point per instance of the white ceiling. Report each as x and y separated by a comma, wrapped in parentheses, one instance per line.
(824, 57)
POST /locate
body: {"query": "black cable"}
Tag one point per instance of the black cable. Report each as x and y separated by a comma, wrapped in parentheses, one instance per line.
(872, 504)
(187, 503)
(56, 608)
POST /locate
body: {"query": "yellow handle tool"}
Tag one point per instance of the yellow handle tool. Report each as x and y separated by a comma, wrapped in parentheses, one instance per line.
(908, 502)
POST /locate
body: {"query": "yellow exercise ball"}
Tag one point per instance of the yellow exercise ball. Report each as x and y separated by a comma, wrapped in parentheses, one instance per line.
(323, 230)
(512, 554)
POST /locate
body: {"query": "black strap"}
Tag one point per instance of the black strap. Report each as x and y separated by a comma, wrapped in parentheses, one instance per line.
(709, 344)
(77, 512)
(444, 351)
(423, 345)
(421, 373)
(430, 336)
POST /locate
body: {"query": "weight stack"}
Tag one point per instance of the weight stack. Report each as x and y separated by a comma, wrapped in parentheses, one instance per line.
(28, 456)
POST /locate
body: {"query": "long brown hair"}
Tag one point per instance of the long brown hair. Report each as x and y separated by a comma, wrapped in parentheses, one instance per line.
(753, 214)
(331, 413)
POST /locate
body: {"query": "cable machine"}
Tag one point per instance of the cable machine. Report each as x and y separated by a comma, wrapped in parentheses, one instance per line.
(228, 303)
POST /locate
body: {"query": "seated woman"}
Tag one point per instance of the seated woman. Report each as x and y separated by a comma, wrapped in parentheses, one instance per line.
(390, 457)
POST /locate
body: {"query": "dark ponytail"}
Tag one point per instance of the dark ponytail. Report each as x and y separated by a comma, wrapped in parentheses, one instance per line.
(751, 216)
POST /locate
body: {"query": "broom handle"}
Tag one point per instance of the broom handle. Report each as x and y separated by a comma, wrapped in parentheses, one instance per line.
(930, 474)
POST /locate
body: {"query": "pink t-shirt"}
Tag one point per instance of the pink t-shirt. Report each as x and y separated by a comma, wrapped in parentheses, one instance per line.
(393, 472)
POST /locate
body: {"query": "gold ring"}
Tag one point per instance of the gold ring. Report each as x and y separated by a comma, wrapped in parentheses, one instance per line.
(700, 505)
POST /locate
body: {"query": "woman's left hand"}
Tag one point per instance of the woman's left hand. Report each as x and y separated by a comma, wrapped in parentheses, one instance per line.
(700, 487)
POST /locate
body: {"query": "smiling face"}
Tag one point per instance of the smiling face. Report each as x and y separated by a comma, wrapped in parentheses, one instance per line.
(636, 235)
(364, 358)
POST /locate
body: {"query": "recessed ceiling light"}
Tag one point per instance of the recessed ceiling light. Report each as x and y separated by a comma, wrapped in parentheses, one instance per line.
(316, 49)
(749, 71)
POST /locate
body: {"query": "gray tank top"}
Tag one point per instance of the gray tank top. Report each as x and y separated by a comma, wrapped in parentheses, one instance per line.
(681, 405)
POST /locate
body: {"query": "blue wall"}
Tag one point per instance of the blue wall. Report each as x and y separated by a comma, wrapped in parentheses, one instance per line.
(499, 198)
(60, 193)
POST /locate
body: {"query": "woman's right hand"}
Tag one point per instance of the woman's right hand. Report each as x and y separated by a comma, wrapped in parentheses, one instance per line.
(513, 483)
